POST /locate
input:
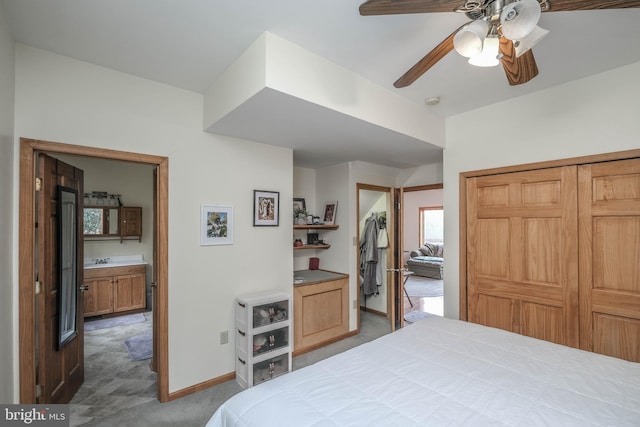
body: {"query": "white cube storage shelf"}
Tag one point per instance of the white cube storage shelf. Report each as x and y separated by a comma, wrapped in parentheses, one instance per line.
(263, 337)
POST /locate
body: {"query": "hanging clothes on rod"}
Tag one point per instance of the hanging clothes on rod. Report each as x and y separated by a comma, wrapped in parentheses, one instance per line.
(369, 256)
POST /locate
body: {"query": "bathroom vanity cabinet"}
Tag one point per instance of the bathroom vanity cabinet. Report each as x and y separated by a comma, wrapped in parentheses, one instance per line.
(263, 337)
(114, 289)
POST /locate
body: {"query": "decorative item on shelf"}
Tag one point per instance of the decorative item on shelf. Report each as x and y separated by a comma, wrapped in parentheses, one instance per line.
(299, 209)
(298, 243)
(309, 219)
(329, 212)
(316, 220)
(312, 239)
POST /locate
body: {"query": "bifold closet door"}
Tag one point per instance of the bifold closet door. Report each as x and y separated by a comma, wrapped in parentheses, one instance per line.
(609, 223)
(522, 253)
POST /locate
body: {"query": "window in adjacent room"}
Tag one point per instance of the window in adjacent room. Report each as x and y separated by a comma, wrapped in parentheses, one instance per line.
(431, 224)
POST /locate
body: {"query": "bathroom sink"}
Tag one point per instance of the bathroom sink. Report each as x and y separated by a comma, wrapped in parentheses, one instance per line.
(114, 261)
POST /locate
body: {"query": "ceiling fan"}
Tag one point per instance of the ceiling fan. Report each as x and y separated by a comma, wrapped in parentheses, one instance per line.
(500, 31)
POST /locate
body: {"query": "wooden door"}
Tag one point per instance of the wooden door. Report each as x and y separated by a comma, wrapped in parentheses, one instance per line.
(522, 255)
(609, 219)
(398, 255)
(59, 372)
(154, 275)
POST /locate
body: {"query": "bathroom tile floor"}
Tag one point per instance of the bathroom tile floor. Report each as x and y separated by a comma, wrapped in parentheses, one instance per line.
(112, 379)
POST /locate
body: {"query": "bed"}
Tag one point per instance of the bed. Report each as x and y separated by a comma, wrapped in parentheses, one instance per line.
(443, 372)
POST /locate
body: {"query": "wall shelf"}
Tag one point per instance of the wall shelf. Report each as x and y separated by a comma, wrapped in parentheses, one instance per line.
(316, 227)
(312, 247)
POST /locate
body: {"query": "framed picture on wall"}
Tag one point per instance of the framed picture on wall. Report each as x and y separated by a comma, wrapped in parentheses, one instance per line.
(216, 225)
(266, 208)
(329, 212)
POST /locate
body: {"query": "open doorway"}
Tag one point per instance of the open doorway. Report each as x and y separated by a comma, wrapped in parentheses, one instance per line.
(27, 316)
(118, 262)
(377, 274)
(423, 251)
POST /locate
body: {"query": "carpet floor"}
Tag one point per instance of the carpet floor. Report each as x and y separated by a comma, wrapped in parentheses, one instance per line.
(139, 407)
(417, 286)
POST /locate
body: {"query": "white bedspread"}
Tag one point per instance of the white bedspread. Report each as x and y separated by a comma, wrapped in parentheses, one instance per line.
(442, 372)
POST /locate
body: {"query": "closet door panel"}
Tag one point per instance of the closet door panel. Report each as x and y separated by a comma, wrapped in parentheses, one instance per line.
(609, 219)
(542, 322)
(522, 253)
(623, 343)
(497, 312)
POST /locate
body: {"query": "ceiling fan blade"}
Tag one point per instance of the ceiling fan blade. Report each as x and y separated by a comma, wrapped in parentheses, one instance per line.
(567, 5)
(427, 62)
(393, 7)
(520, 69)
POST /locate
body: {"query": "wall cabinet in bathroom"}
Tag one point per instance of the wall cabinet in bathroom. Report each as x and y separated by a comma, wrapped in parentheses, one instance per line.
(108, 222)
(130, 222)
(109, 290)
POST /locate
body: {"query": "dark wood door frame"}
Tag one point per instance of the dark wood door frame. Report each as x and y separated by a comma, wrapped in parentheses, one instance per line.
(26, 285)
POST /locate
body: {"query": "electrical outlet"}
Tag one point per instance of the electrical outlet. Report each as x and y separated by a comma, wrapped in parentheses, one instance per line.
(224, 337)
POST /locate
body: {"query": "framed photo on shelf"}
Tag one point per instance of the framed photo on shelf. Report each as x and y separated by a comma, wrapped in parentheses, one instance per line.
(216, 225)
(299, 204)
(266, 208)
(329, 212)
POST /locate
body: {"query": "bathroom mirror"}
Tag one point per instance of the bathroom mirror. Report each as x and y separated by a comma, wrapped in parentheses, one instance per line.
(101, 221)
(67, 218)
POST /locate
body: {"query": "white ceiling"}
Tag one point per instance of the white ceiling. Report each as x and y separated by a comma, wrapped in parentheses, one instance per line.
(189, 44)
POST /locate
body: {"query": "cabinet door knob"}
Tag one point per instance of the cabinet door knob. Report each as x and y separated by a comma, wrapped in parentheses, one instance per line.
(84, 288)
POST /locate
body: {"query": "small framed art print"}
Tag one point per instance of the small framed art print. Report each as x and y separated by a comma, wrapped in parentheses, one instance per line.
(216, 225)
(266, 208)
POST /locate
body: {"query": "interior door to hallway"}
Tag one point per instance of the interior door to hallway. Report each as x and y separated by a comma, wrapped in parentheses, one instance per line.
(59, 372)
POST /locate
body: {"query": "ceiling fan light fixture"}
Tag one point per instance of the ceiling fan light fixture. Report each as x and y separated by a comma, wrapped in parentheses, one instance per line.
(468, 41)
(520, 18)
(526, 43)
(489, 55)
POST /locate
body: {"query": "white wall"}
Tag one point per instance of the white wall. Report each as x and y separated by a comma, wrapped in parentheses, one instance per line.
(9, 300)
(598, 114)
(64, 100)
